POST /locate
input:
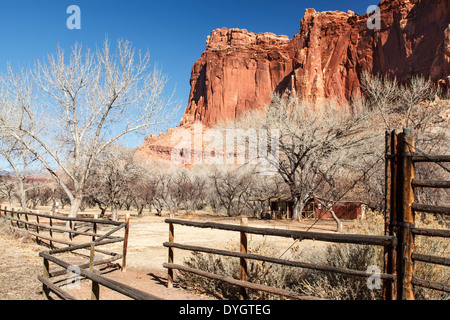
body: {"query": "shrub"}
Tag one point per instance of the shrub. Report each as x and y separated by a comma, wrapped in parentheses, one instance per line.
(303, 281)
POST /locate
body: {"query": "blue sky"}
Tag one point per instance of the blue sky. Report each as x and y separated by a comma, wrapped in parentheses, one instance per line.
(174, 31)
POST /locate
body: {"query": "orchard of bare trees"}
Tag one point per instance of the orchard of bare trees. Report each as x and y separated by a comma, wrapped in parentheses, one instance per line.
(62, 123)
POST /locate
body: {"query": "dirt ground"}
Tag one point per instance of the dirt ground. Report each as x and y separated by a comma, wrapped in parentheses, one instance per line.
(20, 264)
(19, 267)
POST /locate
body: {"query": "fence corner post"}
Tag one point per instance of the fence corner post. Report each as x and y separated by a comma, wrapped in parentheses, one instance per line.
(45, 289)
(407, 217)
(243, 261)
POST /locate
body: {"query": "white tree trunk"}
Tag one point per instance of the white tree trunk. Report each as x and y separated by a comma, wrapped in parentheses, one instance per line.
(297, 210)
(338, 222)
(114, 211)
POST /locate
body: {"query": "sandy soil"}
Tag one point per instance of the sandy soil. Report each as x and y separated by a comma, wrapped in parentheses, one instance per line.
(20, 264)
(147, 234)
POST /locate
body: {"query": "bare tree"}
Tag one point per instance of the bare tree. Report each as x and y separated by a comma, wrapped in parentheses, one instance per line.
(19, 160)
(315, 143)
(12, 150)
(111, 178)
(231, 186)
(7, 186)
(169, 192)
(85, 103)
(412, 104)
(382, 93)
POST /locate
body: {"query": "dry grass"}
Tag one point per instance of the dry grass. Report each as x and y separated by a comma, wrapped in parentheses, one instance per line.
(19, 266)
(432, 246)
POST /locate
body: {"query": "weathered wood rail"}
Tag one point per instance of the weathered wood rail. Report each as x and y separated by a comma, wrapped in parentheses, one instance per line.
(65, 226)
(96, 279)
(401, 208)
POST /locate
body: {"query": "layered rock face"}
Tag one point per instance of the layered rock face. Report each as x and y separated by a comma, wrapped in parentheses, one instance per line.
(240, 70)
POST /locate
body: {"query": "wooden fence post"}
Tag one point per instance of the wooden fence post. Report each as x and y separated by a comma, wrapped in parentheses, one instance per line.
(407, 219)
(387, 285)
(170, 260)
(50, 231)
(94, 227)
(243, 261)
(6, 215)
(71, 228)
(95, 290)
(392, 177)
(45, 289)
(400, 197)
(37, 229)
(19, 225)
(12, 216)
(26, 219)
(395, 201)
(125, 242)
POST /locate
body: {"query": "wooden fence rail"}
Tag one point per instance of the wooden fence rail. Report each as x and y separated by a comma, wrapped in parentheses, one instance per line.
(35, 228)
(95, 278)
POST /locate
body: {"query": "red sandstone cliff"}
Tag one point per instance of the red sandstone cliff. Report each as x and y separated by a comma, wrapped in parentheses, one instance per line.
(241, 70)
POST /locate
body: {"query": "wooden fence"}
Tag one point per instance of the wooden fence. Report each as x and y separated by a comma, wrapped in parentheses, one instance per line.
(388, 242)
(90, 240)
(398, 277)
(401, 207)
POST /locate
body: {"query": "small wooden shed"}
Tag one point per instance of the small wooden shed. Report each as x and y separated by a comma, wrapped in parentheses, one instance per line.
(277, 207)
(345, 210)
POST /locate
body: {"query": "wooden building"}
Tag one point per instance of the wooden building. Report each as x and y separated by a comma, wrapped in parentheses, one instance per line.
(281, 207)
(345, 210)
